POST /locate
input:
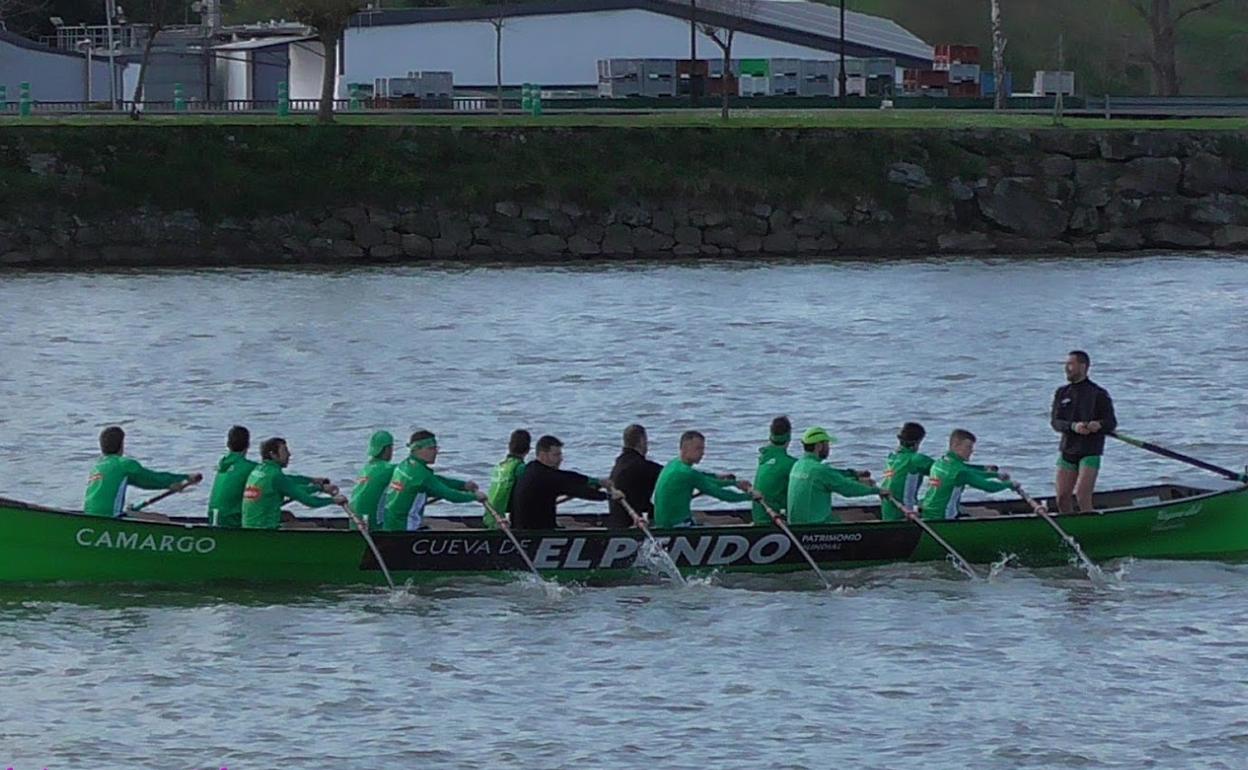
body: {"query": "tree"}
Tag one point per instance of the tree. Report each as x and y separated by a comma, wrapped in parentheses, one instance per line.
(157, 16)
(329, 18)
(21, 16)
(498, 21)
(1163, 18)
(998, 57)
(732, 11)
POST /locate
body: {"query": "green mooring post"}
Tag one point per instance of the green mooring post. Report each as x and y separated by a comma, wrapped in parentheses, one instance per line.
(526, 98)
(179, 98)
(283, 99)
(536, 100)
(23, 100)
(4, 99)
(354, 104)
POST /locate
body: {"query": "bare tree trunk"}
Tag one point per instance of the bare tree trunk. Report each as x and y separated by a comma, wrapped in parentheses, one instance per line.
(135, 114)
(723, 103)
(498, 64)
(325, 110)
(1165, 68)
(998, 56)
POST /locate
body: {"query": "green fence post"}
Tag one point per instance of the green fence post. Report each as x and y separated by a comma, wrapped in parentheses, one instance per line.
(536, 100)
(4, 98)
(23, 99)
(526, 98)
(179, 98)
(354, 104)
(283, 99)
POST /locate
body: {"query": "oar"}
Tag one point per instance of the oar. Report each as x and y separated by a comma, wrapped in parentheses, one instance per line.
(779, 520)
(641, 524)
(362, 526)
(1173, 455)
(173, 490)
(506, 528)
(914, 516)
(1042, 512)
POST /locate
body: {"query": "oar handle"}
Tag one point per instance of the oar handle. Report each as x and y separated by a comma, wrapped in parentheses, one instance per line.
(362, 525)
(1036, 506)
(506, 528)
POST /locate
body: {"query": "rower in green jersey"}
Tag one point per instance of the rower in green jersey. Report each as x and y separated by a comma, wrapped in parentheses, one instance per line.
(369, 495)
(905, 471)
(504, 476)
(114, 472)
(225, 503)
(771, 480)
(678, 480)
(951, 474)
(414, 483)
(268, 487)
(811, 482)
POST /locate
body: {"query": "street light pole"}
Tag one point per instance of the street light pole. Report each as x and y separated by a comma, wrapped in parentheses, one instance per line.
(110, 10)
(842, 79)
(693, 53)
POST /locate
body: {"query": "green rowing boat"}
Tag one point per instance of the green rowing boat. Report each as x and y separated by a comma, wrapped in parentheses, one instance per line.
(40, 544)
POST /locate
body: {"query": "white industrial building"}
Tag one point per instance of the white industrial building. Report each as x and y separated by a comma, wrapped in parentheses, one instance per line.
(557, 43)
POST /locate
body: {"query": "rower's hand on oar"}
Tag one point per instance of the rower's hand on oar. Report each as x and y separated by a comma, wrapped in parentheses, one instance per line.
(1001, 475)
(744, 485)
(471, 486)
(191, 480)
(340, 499)
(481, 496)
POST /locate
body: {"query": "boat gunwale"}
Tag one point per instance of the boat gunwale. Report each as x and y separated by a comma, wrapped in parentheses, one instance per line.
(6, 502)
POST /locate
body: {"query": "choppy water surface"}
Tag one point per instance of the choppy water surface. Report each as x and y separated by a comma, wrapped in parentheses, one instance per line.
(906, 667)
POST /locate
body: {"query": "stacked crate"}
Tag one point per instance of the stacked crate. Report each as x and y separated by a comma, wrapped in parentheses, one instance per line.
(658, 77)
(961, 62)
(619, 78)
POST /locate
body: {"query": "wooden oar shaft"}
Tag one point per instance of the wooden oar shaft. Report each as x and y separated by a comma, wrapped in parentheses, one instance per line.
(506, 528)
(783, 525)
(362, 526)
(914, 516)
(645, 530)
(1173, 455)
(1066, 537)
(157, 498)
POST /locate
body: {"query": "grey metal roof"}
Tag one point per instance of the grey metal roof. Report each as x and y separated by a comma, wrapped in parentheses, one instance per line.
(262, 42)
(799, 22)
(22, 42)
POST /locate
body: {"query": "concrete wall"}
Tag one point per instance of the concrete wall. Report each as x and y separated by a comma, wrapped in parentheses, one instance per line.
(466, 48)
(54, 76)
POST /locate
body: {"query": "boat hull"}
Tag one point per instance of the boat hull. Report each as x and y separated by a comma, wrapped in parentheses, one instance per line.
(45, 545)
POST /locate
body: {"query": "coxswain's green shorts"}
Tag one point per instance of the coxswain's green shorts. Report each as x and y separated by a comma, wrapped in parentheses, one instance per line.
(1075, 462)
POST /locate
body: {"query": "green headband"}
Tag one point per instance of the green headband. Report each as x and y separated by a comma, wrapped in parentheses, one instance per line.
(781, 438)
(424, 443)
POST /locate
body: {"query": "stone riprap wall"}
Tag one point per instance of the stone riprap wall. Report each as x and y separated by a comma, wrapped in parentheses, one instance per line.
(219, 195)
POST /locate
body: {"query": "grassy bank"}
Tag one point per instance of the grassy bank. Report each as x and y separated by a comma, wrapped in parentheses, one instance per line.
(742, 119)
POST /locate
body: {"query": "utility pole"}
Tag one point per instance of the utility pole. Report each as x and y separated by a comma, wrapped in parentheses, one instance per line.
(110, 10)
(842, 79)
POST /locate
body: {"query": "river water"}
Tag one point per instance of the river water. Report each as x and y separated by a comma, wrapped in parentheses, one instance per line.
(904, 667)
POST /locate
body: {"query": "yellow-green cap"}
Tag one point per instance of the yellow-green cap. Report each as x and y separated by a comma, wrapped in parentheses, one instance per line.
(817, 435)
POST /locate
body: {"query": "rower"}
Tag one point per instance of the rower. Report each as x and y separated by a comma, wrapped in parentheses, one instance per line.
(268, 487)
(674, 489)
(414, 482)
(634, 475)
(771, 480)
(369, 495)
(906, 469)
(113, 472)
(503, 477)
(951, 474)
(811, 482)
(225, 503)
(1083, 413)
(543, 482)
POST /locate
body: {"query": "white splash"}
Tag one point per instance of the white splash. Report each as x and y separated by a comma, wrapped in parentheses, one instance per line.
(998, 566)
(654, 559)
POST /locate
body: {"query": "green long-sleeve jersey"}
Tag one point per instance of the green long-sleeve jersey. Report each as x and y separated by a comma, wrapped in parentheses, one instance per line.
(903, 475)
(772, 481)
(112, 474)
(950, 475)
(225, 502)
(268, 487)
(503, 480)
(674, 489)
(411, 486)
(368, 496)
(811, 484)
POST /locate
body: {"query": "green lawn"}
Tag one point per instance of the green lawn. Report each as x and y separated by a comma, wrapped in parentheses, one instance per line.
(861, 119)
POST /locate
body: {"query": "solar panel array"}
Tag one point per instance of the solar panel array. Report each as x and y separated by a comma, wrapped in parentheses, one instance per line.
(823, 20)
